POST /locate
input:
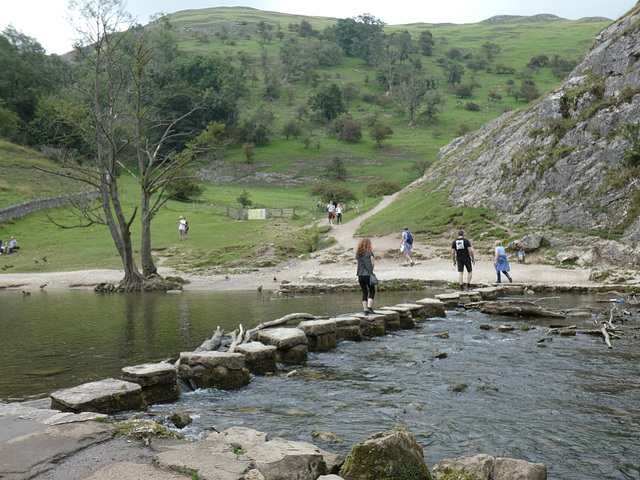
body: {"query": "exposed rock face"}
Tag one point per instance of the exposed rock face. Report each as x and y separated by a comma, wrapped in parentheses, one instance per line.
(559, 162)
(385, 456)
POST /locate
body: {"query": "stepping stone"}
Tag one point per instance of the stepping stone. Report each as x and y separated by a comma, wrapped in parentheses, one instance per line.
(105, 396)
(221, 370)
(159, 381)
(321, 334)
(258, 357)
(291, 343)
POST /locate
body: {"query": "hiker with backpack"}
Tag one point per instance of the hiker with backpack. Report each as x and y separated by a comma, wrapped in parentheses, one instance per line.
(405, 246)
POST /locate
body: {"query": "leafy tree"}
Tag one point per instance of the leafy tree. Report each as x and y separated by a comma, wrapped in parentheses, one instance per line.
(329, 102)
(26, 73)
(453, 72)
(243, 199)
(185, 189)
(249, 151)
(463, 90)
(257, 125)
(421, 166)
(412, 89)
(350, 91)
(8, 123)
(332, 191)
(490, 50)
(434, 101)
(380, 131)
(477, 64)
(379, 188)
(347, 128)
(502, 69)
(359, 37)
(292, 129)
(336, 169)
(529, 91)
(538, 62)
(62, 122)
(426, 43)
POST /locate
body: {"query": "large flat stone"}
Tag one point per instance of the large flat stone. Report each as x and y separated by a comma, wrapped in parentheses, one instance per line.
(105, 396)
(159, 381)
(232, 361)
(259, 358)
(282, 338)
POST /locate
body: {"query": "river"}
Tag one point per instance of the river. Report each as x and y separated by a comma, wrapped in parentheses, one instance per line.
(569, 403)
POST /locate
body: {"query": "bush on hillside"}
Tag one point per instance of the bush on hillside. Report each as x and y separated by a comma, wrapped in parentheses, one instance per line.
(380, 188)
(329, 191)
(185, 189)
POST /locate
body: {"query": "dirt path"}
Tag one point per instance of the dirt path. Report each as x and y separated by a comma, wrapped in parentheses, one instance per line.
(335, 264)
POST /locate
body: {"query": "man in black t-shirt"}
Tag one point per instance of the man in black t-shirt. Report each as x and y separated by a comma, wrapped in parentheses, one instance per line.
(462, 254)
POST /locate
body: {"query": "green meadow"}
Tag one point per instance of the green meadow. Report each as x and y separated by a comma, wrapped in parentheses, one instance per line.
(217, 243)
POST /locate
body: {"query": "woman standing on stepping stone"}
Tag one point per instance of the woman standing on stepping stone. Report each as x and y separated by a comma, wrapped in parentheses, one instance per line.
(366, 262)
(500, 261)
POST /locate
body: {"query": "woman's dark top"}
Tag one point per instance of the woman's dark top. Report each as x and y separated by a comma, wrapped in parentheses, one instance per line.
(364, 265)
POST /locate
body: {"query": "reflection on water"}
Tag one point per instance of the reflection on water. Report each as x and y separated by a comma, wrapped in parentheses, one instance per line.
(58, 339)
(570, 403)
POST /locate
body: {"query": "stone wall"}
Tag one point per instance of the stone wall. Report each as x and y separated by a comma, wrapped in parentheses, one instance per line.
(22, 209)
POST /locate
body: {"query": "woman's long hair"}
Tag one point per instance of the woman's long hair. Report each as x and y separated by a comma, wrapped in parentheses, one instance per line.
(364, 246)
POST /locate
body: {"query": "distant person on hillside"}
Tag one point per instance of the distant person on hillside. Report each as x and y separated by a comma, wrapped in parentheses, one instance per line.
(356, 207)
(366, 263)
(500, 261)
(405, 246)
(320, 205)
(331, 208)
(462, 255)
(182, 227)
(339, 214)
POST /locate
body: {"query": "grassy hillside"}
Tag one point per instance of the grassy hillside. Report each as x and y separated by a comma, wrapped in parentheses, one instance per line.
(217, 242)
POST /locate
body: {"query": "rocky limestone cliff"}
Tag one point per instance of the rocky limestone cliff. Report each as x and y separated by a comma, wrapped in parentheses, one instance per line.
(559, 162)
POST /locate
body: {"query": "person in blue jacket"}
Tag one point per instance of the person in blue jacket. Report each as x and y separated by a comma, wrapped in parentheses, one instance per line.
(500, 261)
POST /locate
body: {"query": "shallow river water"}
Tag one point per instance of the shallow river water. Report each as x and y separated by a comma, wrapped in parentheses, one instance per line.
(569, 403)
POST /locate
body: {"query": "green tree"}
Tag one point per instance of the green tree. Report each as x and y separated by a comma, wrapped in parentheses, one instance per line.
(332, 191)
(329, 102)
(347, 128)
(426, 43)
(243, 199)
(490, 50)
(359, 37)
(8, 123)
(412, 89)
(453, 72)
(380, 131)
(434, 101)
(336, 169)
(292, 129)
(379, 188)
(249, 151)
(26, 73)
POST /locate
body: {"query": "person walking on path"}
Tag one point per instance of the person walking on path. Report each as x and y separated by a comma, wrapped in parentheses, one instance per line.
(462, 255)
(500, 261)
(366, 263)
(182, 227)
(331, 208)
(339, 214)
(405, 246)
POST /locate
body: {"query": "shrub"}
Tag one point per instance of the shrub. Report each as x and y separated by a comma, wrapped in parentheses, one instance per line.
(380, 188)
(185, 189)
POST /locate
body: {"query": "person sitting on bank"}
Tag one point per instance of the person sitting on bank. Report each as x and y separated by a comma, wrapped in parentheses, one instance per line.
(11, 245)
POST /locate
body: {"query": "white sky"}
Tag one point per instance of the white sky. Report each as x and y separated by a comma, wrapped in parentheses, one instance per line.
(45, 20)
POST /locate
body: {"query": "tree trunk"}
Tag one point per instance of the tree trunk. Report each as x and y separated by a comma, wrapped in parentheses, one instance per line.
(148, 265)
